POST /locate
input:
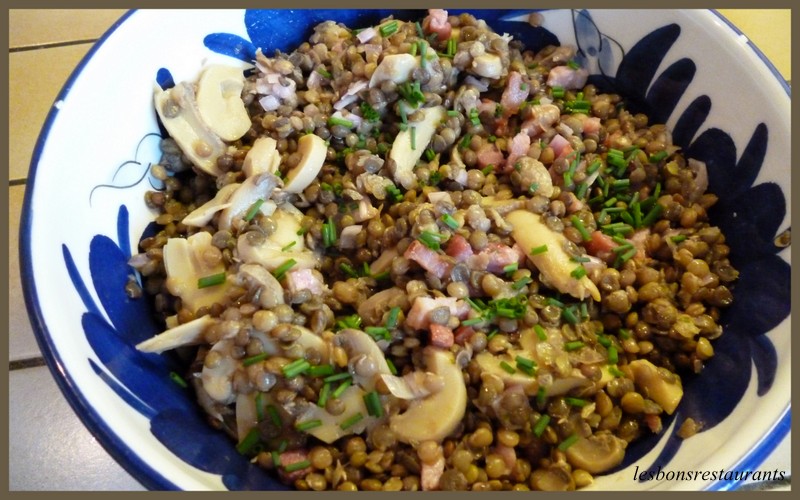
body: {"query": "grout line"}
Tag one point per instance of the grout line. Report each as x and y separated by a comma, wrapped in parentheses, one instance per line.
(50, 45)
(17, 182)
(20, 364)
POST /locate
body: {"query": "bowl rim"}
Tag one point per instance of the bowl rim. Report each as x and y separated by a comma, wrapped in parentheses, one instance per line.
(135, 465)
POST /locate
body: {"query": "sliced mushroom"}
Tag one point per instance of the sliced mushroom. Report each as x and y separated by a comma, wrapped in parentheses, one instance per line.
(190, 333)
(554, 263)
(597, 453)
(257, 187)
(658, 384)
(397, 68)
(331, 428)
(556, 477)
(373, 309)
(185, 263)
(218, 370)
(263, 157)
(436, 416)
(312, 151)
(219, 100)
(384, 261)
(488, 66)
(491, 365)
(281, 246)
(178, 111)
(404, 154)
(270, 289)
(203, 214)
(366, 359)
(413, 385)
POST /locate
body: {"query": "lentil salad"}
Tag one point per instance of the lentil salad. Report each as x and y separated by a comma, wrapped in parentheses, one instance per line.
(420, 256)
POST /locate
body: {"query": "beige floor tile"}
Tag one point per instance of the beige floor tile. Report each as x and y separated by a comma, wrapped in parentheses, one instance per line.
(29, 27)
(21, 342)
(31, 96)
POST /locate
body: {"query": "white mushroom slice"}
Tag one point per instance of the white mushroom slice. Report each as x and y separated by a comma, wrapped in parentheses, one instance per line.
(331, 428)
(263, 157)
(185, 263)
(366, 359)
(488, 66)
(217, 374)
(405, 155)
(282, 245)
(270, 289)
(436, 416)
(658, 384)
(179, 114)
(190, 333)
(384, 261)
(219, 100)
(554, 263)
(395, 67)
(258, 187)
(203, 214)
(597, 453)
(312, 150)
(310, 340)
(413, 385)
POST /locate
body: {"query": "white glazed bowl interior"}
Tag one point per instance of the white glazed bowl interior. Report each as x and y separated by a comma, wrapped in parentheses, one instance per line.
(102, 131)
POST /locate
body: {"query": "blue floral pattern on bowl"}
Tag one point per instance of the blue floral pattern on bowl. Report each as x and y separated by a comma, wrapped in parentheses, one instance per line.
(633, 72)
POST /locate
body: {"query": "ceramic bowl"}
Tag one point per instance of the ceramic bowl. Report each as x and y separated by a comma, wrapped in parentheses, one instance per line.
(84, 214)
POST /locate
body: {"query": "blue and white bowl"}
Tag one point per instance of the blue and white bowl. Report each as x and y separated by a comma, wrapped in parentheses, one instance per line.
(84, 214)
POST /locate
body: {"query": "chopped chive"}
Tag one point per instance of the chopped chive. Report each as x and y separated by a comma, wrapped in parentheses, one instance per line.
(288, 246)
(679, 238)
(283, 445)
(281, 271)
(578, 224)
(413, 49)
(568, 314)
(450, 221)
(658, 156)
(378, 332)
(430, 240)
(348, 270)
(604, 341)
(541, 397)
(254, 359)
(351, 421)
(212, 280)
(539, 250)
(613, 356)
(274, 416)
(584, 310)
(522, 282)
(578, 402)
(253, 210)
(324, 394)
(578, 273)
(452, 112)
(539, 329)
(308, 425)
(628, 255)
(423, 53)
(511, 267)
(541, 425)
(610, 202)
(324, 72)
(552, 301)
(337, 377)
(613, 370)
(276, 458)
(622, 248)
(592, 168)
(329, 233)
(259, 406)
(624, 333)
(473, 116)
(178, 379)
(336, 120)
(579, 258)
(621, 184)
(320, 370)
(413, 138)
(388, 29)
(508, 368)
(572, 439)
(392, 368)
(249, 442)
(627, 218)
(373, 403)
(472, 321)
(302, 231)
(573, 64)
(465, 141)
(419, 30)
(391, 320)
(573, 346)
(369, 112)
(488, 169)
(523, 361)
(296, 368)
(297, 466)
(492, 334)
(580, 192)
(342, 387)
(430, 154)
(652, 215)
(558, 92)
